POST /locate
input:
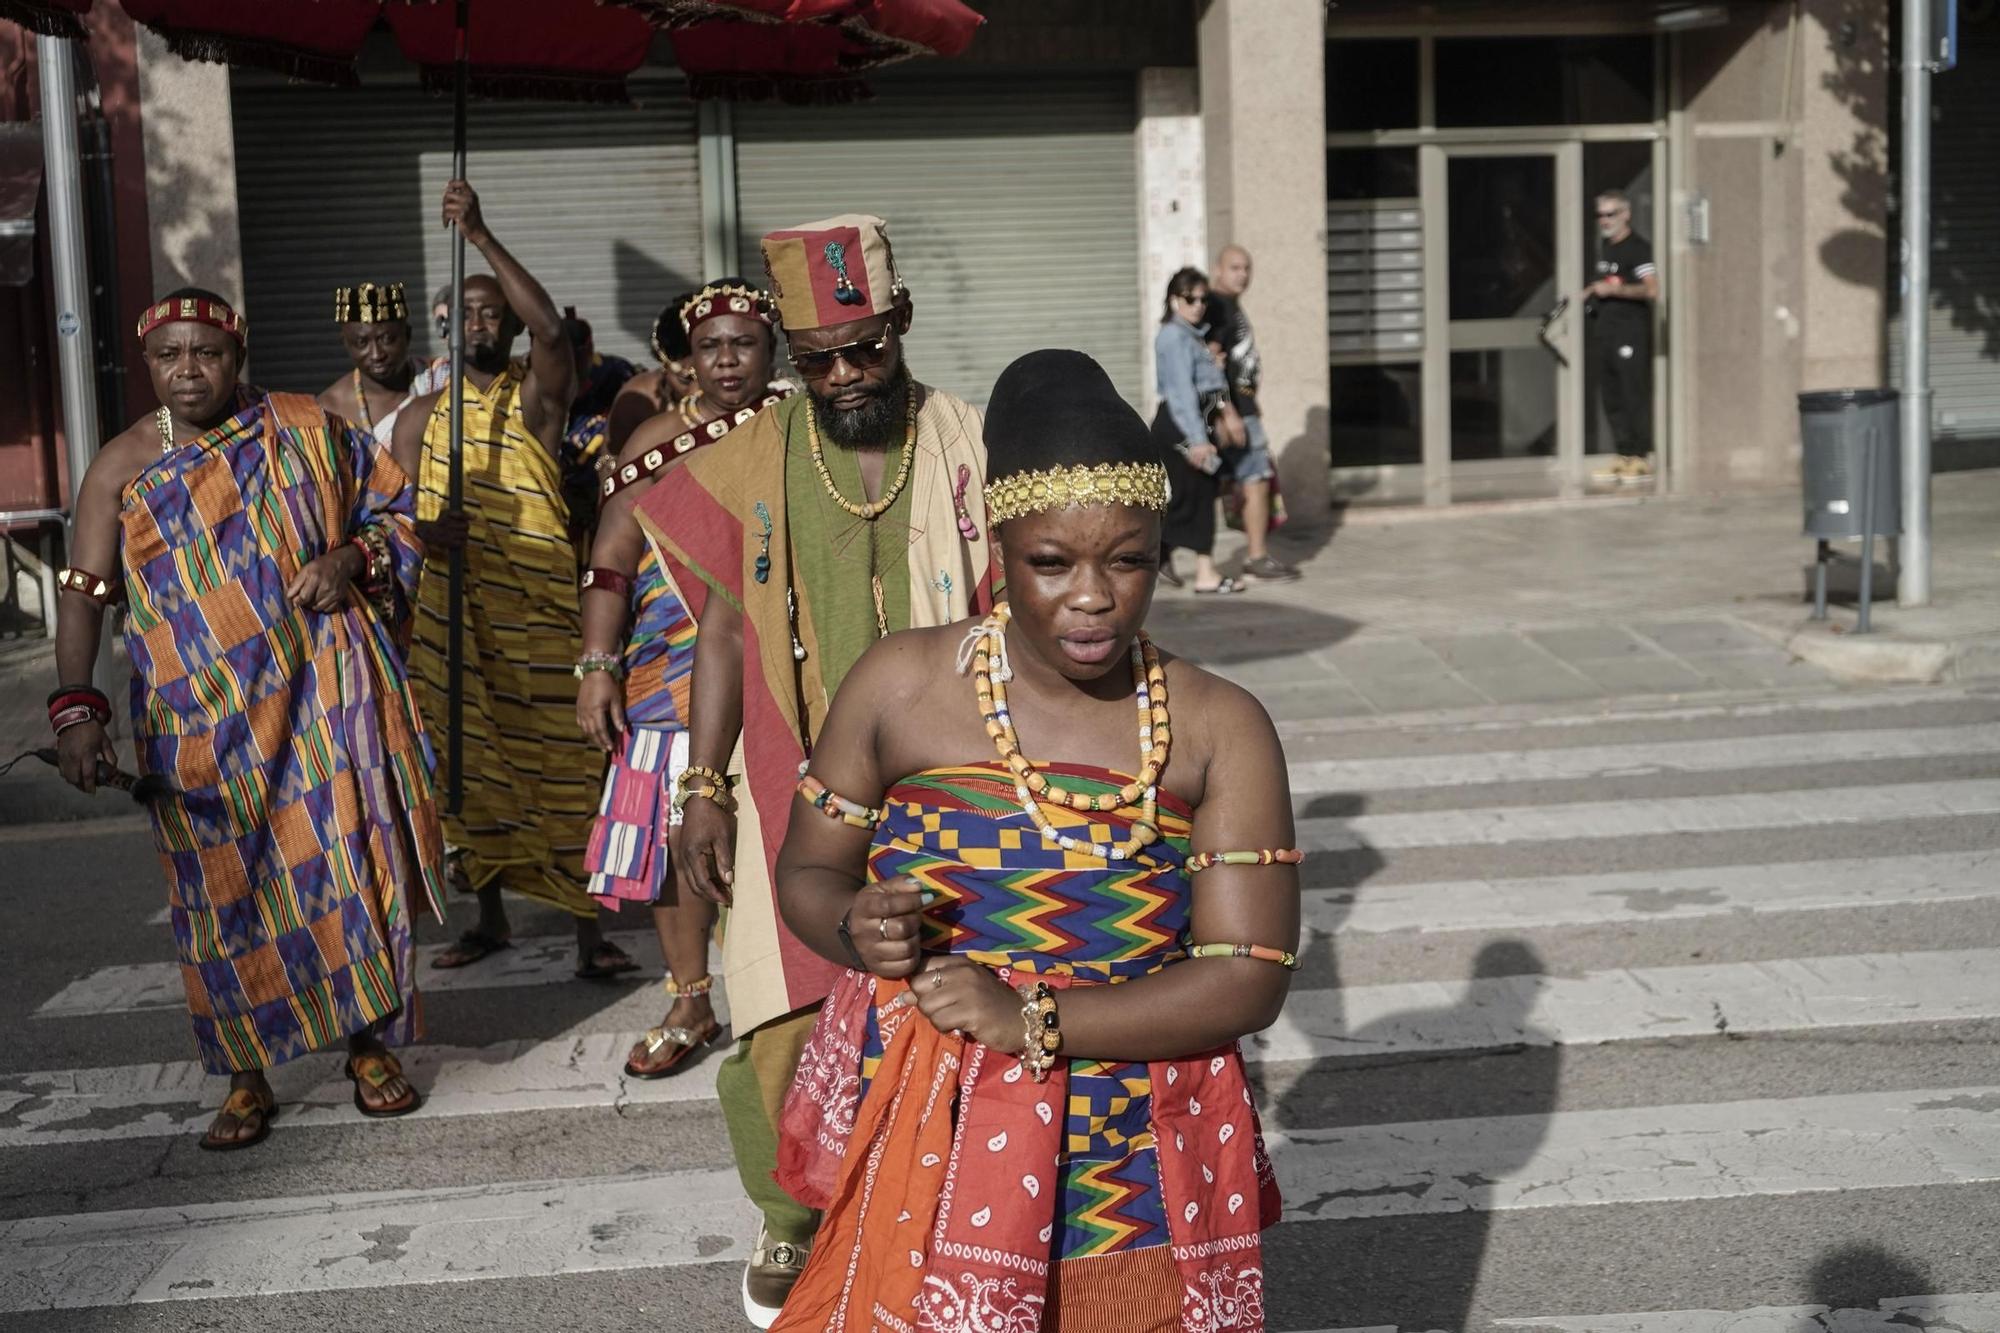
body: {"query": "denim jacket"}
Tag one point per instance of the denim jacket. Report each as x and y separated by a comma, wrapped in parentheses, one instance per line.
(1186, 374)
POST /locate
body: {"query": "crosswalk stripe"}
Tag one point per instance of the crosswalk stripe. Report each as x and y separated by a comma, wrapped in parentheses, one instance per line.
(541, 961)
(1604, 761)
(582, 1071)
(1627, 819)
(1642, 1154)
(1953, 1313)
(534, 1229)
(334, 1242)
(1654, 895)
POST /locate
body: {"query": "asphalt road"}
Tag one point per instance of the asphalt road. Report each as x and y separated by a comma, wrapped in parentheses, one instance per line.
(1685, 1009)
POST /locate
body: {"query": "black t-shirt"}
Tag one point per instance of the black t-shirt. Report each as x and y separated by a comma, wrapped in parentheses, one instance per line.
(1630, 262)
(1229, 326)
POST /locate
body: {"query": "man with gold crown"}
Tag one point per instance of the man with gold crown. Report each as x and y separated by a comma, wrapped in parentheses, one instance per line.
(530, 790)
(833, 518)
(374, 320)
(265, 551)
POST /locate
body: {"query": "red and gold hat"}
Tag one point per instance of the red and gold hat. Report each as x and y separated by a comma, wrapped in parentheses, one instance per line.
(832, 272)
(195, 310)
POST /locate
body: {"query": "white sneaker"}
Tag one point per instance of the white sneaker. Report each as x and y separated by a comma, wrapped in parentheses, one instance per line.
(768, 1278)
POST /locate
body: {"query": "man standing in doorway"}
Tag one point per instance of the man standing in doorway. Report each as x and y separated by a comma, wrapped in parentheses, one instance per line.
(1619, 303)
(833, 519)
(530, 789)
(1255, 474)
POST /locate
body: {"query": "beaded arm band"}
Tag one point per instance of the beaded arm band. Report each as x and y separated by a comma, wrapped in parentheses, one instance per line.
(1263, 856)
(835, 806)
(96, 588)
(1042, 1028)
(1264, 953)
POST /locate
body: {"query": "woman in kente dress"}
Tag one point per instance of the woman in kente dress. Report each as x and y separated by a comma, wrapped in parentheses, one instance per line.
(1059, 865)
(638, 658)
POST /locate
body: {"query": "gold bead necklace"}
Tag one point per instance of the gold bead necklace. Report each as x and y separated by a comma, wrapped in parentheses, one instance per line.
(875, 509)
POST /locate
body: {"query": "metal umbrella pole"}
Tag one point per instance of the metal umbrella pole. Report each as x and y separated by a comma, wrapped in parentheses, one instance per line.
(455, 624)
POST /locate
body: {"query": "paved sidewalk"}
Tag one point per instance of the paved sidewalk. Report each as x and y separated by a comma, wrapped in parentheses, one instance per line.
(1404, 609)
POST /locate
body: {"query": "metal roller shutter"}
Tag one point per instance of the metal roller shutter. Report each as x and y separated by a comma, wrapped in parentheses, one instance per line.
(1965, 244)
(1012, 204)
(601, 203)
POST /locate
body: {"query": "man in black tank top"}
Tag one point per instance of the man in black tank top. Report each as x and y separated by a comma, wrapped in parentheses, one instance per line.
(1619, 304)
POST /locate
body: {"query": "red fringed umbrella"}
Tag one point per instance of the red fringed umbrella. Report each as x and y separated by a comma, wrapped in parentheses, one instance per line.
(800, 50)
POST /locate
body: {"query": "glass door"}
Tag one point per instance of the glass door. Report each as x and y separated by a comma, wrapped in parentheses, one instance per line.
(1504, 402)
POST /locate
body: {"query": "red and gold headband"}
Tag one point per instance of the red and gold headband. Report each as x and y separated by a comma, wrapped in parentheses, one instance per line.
(196, 310)
(721, 299)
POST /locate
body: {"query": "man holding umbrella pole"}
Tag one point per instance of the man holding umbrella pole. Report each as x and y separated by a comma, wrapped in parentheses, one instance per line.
(529, 791)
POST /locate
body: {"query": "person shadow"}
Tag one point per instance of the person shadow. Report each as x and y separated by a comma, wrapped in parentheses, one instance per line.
(1871, 1278)
(1394, 1145)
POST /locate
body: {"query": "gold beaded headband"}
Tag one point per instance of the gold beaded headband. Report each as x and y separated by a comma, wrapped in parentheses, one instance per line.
(718, 299)
(370, 303)
(1141, 485)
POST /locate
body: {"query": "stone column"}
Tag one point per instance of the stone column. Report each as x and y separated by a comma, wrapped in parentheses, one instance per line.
(1263, 104)
(190, 172)
(1173, 214)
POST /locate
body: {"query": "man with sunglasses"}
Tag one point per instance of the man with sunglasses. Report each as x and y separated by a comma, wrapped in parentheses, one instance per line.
(837, 517)
(1619, 304)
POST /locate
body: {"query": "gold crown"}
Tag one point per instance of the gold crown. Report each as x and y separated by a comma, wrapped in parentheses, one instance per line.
(370, 303)
(1141, 485)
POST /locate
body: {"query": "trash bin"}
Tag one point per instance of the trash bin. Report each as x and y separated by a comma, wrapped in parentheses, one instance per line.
(1840, 428)
(1851, 479)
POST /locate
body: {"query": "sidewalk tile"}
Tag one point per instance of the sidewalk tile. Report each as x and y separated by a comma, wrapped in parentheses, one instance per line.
(1703, 638)
(1502, 652)
(1384, 657)
(1410, 694)
(1592, 643)
(1645, 675)
(1546, 682)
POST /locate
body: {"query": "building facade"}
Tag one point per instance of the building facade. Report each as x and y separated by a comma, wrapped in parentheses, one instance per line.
(1415, 182)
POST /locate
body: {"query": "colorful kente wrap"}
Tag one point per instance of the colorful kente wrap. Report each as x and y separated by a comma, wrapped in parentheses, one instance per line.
(707, 517)
(627, 858)
(302, 817)
(530, 783)
(953, 1184)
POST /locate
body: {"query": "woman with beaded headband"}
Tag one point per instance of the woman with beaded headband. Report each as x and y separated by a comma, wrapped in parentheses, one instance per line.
(651, 392)
(638, 641)
(1044, 1001)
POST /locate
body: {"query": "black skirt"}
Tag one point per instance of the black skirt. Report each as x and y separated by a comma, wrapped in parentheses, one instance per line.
(1190, 522)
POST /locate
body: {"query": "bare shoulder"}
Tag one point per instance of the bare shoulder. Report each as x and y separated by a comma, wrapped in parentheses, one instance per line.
(1207, 709)
(654, 431)
(125, 455)
(910, 663)
(338, 397)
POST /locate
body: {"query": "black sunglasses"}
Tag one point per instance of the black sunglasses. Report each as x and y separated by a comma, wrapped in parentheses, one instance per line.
(865, 354)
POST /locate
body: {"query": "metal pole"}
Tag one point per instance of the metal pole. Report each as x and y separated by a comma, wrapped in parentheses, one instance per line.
(1871, 447)
(1914, 577)
(69, 254)
(63, 172)
(455, 629)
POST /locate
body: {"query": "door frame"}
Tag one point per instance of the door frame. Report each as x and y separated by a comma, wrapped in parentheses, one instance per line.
(1565, 469)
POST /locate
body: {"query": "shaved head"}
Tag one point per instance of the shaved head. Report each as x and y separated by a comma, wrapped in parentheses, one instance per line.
(1231, 274)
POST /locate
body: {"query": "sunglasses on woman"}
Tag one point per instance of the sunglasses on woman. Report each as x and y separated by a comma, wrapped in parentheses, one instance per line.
(865, 354)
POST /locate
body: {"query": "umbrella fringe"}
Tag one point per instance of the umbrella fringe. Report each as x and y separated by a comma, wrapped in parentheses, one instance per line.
(531, 85)
(47, 23)
(834, 91)
(290, 61)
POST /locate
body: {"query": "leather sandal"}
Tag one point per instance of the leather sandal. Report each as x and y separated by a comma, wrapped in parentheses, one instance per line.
(240, 1106)
(685, 1041)
(377, 1069)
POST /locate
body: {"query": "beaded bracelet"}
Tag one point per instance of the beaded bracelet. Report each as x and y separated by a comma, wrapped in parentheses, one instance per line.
(93, 586)
(610, 663)
(610, 580)
(713, 787)
(375, 559)
(1263, 856)
(1263, 953)
(1041, 1027)
(699, 986)
(835, 806)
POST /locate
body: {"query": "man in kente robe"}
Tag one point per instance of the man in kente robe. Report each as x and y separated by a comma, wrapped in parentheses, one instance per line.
(530, 788)
(836, 517)
(265, 549)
